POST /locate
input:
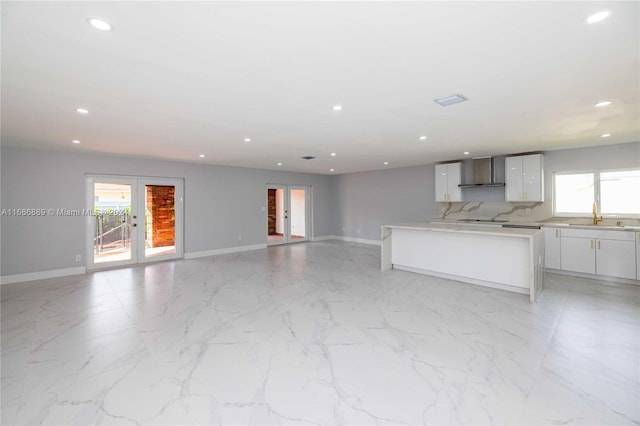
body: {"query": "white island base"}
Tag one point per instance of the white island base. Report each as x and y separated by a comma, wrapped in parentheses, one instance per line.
(505, 258)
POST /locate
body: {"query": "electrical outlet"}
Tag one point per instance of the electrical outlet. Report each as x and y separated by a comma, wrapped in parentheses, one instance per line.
(358, 231)
(239, 237)
(78, 258)
(262, 209)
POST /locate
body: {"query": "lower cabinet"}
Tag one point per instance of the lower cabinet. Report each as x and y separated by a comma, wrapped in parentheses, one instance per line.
(578, 255)
(552, 248)
(616, 258)
(608, 253)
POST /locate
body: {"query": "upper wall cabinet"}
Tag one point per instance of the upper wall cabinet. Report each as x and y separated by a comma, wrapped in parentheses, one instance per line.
(448, 177)
(524, 178)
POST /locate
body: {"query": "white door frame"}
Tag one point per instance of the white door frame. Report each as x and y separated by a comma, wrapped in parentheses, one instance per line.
(287, 213)
(138, 184)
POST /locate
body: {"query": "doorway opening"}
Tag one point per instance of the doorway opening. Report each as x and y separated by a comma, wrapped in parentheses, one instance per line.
(288, 214)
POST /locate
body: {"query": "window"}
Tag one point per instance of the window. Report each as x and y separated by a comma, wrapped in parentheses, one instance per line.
(620, 192)
(617, 193)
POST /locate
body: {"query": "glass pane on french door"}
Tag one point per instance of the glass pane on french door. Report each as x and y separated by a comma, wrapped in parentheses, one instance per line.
(159, 220)
(112, 222)
(298, 214)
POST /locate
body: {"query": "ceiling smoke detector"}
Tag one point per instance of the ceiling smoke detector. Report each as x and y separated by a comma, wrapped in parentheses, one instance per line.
(450, 100)
(308, 157)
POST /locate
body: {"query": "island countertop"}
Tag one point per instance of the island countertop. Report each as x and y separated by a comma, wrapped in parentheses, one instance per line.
(465, 228)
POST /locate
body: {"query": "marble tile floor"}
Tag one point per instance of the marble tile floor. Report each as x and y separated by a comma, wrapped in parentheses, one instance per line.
(314, 333)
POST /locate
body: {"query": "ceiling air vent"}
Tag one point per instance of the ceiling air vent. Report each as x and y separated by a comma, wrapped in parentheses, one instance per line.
(308, 157)
(450, 100)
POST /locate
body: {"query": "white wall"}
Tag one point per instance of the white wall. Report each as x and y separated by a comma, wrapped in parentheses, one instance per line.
(220, 204)
(365, 201)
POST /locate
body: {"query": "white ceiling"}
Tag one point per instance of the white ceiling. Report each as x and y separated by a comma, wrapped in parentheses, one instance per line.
(175, 80)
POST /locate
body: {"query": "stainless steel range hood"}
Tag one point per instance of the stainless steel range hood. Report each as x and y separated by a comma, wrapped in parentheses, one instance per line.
(483, 174)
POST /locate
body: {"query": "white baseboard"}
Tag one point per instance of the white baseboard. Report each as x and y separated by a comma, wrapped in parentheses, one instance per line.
(42, 275)
(593, 277)
(347, 239)
(206, 253)
(359, 240)
(325, 238)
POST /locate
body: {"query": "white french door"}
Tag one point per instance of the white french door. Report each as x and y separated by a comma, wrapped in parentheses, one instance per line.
(133, 220)
(288, 213)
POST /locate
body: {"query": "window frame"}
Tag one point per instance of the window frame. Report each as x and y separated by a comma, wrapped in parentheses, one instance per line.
(596, 193)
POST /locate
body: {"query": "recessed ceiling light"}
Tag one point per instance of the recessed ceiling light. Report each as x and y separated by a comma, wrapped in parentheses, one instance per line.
(466, 153)
(279, 164)
(337, 107)
(385, 163)
(603, 103)
(423, 138)
(331, 170)
(76, 141)
(333, 154)
(82, 111)
(597, 17)
(201, 155)
(606, 135)
(450, 100)
(99, 24)
(247, 139)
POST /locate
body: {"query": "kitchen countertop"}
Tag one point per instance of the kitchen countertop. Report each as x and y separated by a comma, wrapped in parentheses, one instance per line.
(466, 228)
(629, 225)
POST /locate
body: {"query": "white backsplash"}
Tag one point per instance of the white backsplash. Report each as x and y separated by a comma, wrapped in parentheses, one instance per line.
(513, 212)
(516, 212)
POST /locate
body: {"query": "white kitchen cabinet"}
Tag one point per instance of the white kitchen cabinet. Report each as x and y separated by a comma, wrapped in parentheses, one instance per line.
(600, 252)
(578, 255)
(616, 258)
(524, 178)
(552, 248)
(447, 178)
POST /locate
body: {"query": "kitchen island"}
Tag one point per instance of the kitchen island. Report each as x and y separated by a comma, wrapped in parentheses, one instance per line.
(510, 259)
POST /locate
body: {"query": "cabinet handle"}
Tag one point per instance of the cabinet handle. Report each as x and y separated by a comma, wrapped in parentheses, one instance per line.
(556, 233)
(598, 244)
(591, 241)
